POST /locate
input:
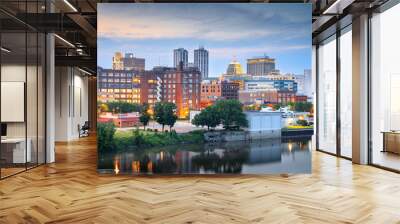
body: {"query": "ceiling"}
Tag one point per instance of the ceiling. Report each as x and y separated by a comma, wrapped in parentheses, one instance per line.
(75, 21)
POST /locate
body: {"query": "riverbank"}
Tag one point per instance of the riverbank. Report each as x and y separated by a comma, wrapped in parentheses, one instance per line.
(136, 139)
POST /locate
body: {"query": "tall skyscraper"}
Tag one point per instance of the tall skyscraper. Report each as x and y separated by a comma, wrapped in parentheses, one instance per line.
(180, 55)
(201, 61)
(260, 66)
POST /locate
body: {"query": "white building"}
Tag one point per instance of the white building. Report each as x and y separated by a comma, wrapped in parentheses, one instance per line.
(308, 86)
(264, 124)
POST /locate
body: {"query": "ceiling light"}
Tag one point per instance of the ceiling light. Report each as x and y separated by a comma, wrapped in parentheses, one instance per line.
(70, 5)
(64, 40)
(5, 50)
(84, 71)
(337, 7)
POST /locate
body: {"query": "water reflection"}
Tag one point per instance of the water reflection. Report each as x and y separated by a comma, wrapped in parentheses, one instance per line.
(256, 157)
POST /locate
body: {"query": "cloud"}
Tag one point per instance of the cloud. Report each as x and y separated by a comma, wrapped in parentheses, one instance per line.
(201, 21)
(225, 52)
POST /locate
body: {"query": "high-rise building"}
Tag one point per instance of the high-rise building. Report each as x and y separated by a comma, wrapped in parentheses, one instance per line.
(118, 85)
(175, 85)
(179, 86)
(234, 68)
(260, 66)
(300, 79)
(129, 62)
(308, 90)
(118, 62)
(181, 56)
(201, 61)
(133, 63)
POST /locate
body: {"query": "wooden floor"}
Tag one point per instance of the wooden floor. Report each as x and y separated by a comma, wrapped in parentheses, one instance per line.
(71, 191)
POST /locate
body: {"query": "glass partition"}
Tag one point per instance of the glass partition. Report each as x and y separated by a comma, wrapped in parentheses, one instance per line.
(385, 89)
(13, 86)
(346, 92)
(326, 108)
(22, 88)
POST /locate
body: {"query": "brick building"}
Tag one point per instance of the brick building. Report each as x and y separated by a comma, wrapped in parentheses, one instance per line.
(286, 96)
(212, 90)
(258, 97)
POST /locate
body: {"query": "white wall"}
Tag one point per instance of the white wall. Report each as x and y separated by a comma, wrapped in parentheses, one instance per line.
(264, 121)
(71, 102)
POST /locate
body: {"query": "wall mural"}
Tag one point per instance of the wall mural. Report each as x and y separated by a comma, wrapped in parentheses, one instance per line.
(204, 88)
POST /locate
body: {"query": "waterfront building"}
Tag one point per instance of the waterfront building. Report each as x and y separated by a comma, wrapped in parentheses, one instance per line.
(263, 125)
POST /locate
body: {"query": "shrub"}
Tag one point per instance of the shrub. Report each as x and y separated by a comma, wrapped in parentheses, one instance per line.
(302, 122)
(105, 136)
(137, 138)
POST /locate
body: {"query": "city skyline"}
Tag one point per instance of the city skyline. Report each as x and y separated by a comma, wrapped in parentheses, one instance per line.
(229, 31)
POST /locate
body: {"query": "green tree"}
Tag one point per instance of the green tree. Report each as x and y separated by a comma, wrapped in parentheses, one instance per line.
(231, 114)
(209, 117)
(291, 105)
(105, 136)
(213, 117)
(144, 115)
(123, 107)
(302, 122)
(277, 106)
(303, 106)
(164, 114)
(199, 120)
(169, 113)
(159, 114)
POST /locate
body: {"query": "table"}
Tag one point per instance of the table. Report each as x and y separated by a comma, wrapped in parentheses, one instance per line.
(391, 141)
(16, 147)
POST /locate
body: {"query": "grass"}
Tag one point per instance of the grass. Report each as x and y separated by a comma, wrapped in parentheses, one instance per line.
(299, 127)
(135, 139)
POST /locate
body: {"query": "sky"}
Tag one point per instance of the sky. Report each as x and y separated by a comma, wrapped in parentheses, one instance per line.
(229, 31)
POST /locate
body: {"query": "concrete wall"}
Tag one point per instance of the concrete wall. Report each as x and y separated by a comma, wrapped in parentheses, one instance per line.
(71, 102)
